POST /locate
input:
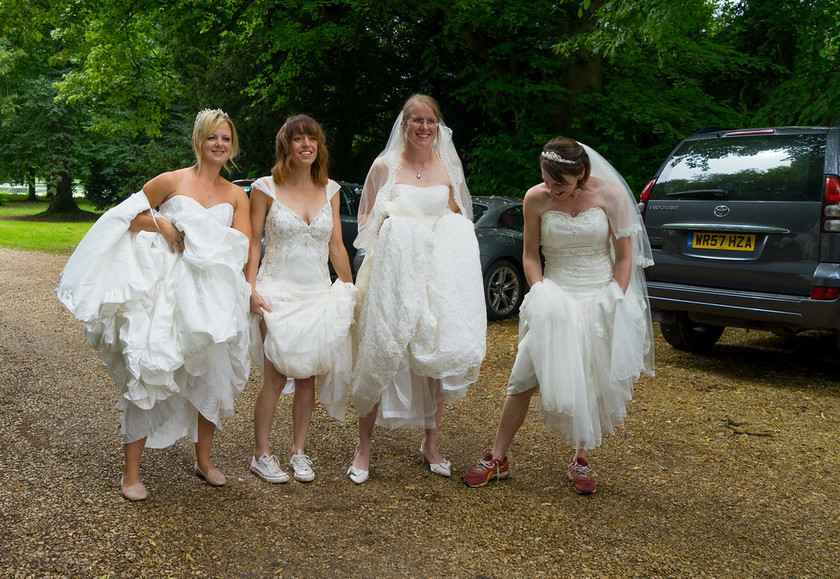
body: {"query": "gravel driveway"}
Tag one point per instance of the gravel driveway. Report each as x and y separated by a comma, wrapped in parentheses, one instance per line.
(728, 466)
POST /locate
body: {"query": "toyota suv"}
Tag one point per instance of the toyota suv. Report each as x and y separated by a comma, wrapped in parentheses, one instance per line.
(745, 231)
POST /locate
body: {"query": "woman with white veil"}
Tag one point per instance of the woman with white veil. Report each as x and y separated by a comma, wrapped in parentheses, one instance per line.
(422, 322)
(584, 328)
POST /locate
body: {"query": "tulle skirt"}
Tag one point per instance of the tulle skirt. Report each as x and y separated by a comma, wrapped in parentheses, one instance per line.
(582, 348)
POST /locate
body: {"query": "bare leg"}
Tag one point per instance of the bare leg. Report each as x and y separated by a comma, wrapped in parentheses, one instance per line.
(430, 448)
(513, 415)
(580, 452)
(265, 407)
(361, 460)
(133, 453)
(304, 401)
(206, 430)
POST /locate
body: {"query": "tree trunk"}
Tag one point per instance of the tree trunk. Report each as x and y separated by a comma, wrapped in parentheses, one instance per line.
(30, 181)
(62, 199)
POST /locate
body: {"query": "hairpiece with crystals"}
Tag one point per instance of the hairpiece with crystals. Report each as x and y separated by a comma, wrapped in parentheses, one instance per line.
(552, 156)
(206, 112)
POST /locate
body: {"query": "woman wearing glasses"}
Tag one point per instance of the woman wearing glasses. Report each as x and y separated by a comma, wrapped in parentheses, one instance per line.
(422, 323)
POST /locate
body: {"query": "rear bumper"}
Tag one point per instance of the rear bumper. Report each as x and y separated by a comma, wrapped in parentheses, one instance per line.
(774, 312)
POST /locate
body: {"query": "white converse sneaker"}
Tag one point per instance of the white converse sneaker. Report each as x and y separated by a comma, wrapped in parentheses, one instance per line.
(268, 469)
(302, 466)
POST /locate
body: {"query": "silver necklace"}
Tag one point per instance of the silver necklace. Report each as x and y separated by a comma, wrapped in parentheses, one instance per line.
(423, 168)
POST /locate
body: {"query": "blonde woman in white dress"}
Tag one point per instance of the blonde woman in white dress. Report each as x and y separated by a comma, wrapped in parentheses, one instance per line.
(301, 320)
(422, 322)
(165, 303)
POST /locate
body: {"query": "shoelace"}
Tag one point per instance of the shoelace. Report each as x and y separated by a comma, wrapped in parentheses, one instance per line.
(273, 463)
(582, 470)
(483, 464)
(301, 458)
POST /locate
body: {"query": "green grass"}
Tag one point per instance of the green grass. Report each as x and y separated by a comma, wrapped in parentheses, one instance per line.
(24, 227)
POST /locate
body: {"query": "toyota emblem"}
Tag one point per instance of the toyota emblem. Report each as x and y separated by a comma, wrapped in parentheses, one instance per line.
(721, 211)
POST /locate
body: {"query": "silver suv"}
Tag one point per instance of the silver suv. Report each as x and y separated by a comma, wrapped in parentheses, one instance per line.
(745, 231)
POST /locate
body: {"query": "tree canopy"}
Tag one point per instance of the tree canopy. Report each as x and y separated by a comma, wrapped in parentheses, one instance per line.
(105, 91)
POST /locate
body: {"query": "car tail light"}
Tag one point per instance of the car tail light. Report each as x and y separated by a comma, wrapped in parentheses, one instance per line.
(643, 198)
(831, 204)
(824, 293)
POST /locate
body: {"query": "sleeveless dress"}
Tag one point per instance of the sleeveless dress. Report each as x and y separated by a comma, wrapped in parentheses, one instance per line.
(580, 336)
(171, 328)
(423, 316)
(308, 328)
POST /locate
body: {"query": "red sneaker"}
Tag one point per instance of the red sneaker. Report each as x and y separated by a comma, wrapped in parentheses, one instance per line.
(583, 476)
(486, 469)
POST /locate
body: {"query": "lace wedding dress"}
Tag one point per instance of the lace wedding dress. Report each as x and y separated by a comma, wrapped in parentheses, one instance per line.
(308, 328)
(423, 317)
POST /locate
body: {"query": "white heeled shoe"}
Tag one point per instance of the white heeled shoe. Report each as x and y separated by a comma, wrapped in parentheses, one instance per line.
(358, 476)
(443, 469)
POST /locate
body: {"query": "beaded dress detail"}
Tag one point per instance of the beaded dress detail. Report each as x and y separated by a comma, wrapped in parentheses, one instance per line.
(308, 328)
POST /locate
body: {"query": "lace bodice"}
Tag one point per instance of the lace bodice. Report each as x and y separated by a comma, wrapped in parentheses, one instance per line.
(577, 249)
(178, 205)
(296, 252)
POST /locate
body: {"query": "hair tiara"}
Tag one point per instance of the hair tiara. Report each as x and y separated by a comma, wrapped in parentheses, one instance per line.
(552, 156)
(207, 112)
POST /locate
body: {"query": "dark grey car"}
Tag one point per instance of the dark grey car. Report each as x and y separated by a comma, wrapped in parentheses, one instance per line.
(499, 226)
(745, 231)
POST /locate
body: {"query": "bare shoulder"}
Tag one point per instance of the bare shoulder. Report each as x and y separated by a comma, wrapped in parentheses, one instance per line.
(536, 198)
(160, 188)
(235, 193)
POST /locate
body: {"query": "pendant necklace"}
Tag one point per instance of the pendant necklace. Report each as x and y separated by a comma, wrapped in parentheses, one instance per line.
(423, 168)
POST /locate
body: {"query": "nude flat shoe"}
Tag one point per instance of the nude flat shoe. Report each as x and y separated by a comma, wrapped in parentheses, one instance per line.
(135, 492)
(214, 477)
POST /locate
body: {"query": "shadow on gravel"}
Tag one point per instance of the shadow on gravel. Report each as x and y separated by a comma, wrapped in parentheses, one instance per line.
(781, 361)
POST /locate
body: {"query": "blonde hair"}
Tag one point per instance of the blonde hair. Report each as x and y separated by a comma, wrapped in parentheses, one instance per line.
(300, 125)
(206, 122)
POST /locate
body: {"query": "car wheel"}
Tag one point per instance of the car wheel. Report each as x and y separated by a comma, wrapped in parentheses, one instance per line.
(690, 336)
(503, 290)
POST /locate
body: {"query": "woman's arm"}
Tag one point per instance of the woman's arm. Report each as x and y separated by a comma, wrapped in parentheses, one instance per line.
(623, 247)
(532, 209)
(259, 206)
(338, 253)
(157, 191)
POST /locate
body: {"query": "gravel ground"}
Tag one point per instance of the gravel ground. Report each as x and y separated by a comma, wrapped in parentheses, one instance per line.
(727, 467)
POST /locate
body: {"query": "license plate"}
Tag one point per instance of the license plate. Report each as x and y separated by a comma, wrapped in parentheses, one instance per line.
(726, 241)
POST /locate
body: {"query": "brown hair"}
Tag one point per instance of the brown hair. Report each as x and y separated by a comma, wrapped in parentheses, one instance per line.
(300, 125)
(206, 122)
(571, 160)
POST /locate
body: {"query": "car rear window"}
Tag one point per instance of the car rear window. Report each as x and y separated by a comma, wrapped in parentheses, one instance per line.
(746, 168)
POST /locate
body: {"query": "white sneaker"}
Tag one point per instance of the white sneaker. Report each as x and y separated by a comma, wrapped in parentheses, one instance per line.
(268, 469)
(302, 466)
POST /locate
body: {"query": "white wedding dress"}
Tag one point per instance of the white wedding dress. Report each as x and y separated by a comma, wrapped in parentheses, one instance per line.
(423, 316)
(308, 328)
(581, 339)
(171, 328)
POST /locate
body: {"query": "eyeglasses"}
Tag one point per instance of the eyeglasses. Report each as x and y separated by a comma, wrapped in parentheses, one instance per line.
(420, 122)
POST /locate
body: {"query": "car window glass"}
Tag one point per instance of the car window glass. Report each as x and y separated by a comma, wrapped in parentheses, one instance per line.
(478, 211)
(749, 168)
(512, 219)
(349, 197)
